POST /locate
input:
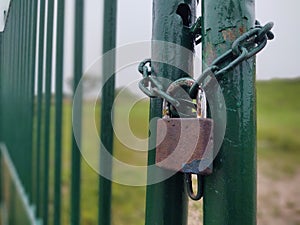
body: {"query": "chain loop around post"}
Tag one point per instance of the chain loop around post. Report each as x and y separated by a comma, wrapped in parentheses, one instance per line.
(151, 86)
(243, 48)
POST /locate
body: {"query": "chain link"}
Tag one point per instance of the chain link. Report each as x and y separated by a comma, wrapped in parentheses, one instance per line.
(151, 86)
(243, 48)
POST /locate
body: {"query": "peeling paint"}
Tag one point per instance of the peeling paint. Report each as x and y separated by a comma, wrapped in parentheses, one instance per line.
(229, 35)
(234, 173)
(168, 27)
(242, 29)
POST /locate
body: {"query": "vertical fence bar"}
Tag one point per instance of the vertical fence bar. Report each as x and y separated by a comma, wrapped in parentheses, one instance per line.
(17, 152)
(13, 44)
(31, 71)
(1, 122)
(20, 104)
(24, 86)
(27, 95)
(9, 80)
(48, 80)
(39, 107)
(78, 71)
(58, 109)
(166, 202)
(32, 96)
(108, 94)
(230, 192)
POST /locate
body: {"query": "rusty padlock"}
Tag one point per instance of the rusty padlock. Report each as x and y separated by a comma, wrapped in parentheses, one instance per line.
(185, 144)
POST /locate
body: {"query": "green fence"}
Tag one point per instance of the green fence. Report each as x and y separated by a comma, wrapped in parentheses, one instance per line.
(43, 179)
(25, 109)
(36, 125)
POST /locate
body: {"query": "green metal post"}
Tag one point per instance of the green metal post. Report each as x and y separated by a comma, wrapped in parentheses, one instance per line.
(78, 71)
(230, 192)
(48, 84)
(38, 196)
(166, 202)
(27, 149)
(19, 82)
(1, 123)
(32, 64)
(108, 94)
(22, 84)
(58, 109)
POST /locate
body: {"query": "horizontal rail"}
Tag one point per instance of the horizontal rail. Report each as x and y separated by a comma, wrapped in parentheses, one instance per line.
(29, 209)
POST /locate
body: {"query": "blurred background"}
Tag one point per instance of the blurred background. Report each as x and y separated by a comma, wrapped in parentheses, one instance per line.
(278, 113)
(278, 105)
(278, 109)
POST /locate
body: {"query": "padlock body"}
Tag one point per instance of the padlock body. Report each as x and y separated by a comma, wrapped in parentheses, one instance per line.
(185, 144)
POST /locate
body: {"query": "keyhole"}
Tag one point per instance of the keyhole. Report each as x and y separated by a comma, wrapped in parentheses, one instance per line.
(184, 12)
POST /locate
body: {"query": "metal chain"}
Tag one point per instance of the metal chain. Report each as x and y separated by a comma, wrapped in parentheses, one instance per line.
(243, 48)
(151, 86)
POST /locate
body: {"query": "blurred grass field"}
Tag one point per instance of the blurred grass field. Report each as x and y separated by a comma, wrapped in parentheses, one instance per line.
(278, 113)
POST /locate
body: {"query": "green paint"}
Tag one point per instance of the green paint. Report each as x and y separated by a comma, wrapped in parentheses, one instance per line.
(1, 126)
(40, 138)
(108, 94)
(166, 202)
(16, 94)
(32, 63)
(230, 192)
(78, 71)
(48, 85)
(59, 110)
(21, 212)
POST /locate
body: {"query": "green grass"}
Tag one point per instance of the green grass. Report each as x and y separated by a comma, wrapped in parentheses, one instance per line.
(128, 203)
(278, 109)
(278, 112)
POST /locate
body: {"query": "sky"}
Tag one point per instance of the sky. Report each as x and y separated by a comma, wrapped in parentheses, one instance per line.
(278, 60)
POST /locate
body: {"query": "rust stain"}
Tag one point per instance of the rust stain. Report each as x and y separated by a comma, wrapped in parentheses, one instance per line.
(175, 148)
(242, 30)
(229, 35)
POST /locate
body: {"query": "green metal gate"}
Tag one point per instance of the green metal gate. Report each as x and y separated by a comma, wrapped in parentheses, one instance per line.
(36, 133)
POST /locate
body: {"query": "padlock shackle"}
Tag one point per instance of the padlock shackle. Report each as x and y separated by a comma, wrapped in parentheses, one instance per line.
(172, 87)
(201, 111)
(201, 102)
(189, 186)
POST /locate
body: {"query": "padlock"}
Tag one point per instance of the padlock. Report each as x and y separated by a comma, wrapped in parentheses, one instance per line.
(185, 144)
